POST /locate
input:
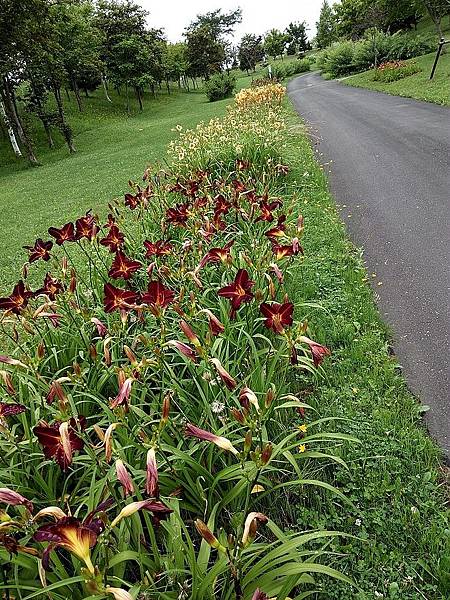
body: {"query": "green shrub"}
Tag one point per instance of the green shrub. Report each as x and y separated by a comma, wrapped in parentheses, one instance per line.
(340, 59)
(220, 86)
(301, 65)
(408, 46)
(395, 70)
(344, 58)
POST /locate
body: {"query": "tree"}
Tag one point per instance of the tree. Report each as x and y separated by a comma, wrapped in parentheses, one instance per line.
(205, 55)
(275, 43)
(206, 41)
(326, 26)
(297, 40)
(251, 51)
(437, 9)
(217, 23)
(79, 42)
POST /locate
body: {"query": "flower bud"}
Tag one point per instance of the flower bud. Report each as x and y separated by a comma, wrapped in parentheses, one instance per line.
(269, 398)
(8, 496)
(266, 454)
(248, 441)
(124, 477)
(208, 536)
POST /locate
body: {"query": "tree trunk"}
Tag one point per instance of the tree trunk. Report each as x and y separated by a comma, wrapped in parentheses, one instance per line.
(105, 87)
(64, 127)
(76, 91)
(14, 118)
(41, 111)
(168, 86)
(86, 93)
(67, 94)
(11, 134)
(128, 100)
(139, 97)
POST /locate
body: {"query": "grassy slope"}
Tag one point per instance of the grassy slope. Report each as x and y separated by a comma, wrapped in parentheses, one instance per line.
(395, 468)
(111, 149)
(394, 478)
(415, 86)
(419, 85)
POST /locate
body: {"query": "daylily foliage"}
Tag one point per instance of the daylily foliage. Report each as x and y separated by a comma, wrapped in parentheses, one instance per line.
(151, 382)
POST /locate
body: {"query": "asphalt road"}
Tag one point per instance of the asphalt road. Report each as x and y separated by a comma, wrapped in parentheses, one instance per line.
(388, 160)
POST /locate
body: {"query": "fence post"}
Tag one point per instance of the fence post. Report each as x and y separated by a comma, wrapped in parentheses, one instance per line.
(438, 53)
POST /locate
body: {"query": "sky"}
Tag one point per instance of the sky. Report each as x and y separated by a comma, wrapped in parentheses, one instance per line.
(258, 16)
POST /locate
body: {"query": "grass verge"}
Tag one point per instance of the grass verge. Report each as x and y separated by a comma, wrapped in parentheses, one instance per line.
(394, 479)
(416, 86)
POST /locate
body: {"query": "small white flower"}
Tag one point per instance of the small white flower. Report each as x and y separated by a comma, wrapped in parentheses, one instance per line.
(217, 407)
(378, 595)
(358, 522)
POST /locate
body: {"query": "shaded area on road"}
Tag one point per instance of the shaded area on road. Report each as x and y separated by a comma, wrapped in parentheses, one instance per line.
(389, 168)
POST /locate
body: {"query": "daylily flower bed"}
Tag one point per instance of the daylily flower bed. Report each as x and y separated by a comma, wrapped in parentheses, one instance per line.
(149, 420)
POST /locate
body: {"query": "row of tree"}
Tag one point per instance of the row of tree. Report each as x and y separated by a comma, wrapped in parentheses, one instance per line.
(253, 48)
(351, 18)
(50, 49)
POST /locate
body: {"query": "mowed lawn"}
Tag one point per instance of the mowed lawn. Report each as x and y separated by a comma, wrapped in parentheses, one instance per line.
(417, 86)
(111, 149)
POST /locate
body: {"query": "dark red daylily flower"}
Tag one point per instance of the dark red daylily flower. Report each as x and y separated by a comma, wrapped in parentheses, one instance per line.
(238, 291)
(111, 221)
(114, 239)
(238, 186)
(200, 202)
(65, 234)
(159, 248)
(118, 299)
(158, 295)
(85, 227)
(51, 287)
(18, 299)
(178, 215)
(216, 255)
(40, 249)
(317, 350)
(282, 251)
(123, 267)
(140, 198)
(279, 231)
(60, 440)
(277, 316)
(267, 209)
(71, 534)
(131, 201)
(222, 205)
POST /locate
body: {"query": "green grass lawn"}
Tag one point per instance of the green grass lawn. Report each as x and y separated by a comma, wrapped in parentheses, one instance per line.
(416, 86)
(394, 479)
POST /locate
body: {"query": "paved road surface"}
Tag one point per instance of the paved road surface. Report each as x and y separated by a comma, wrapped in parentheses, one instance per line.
(389, 163)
